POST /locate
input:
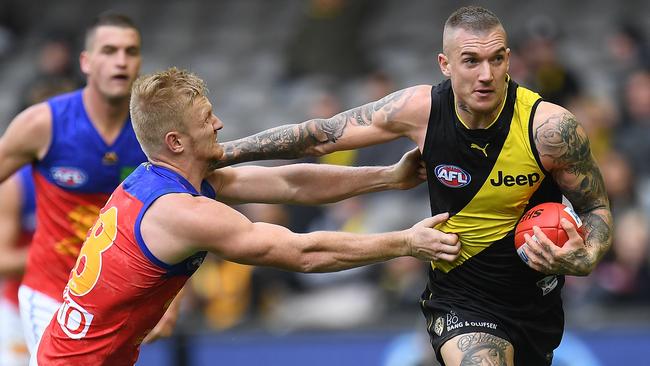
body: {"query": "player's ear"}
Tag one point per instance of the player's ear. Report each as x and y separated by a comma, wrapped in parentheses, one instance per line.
(174, 142)
(443, 62)
(84, 62)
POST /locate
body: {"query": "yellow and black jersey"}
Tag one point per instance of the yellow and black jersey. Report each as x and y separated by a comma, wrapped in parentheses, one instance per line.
(485, 179)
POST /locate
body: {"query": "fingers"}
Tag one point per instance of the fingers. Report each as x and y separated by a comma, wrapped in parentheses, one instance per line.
(422, 171)
(444, 238)
(448, 257)
(540, 251)
(570, 229)
(431, 244)
(447, 251)
(434, 220)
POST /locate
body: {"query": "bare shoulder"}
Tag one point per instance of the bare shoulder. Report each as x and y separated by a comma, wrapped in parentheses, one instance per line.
(185, 208)
(38, 116)
(558, 137)
(31, 129)
(196, 219)
(546, 110)
(173, 237)
(26, 139)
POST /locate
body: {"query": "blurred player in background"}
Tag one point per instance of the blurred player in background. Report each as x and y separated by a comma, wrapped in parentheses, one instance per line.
(17, 224)
(156, 228)
(492, 149)
(81, 145)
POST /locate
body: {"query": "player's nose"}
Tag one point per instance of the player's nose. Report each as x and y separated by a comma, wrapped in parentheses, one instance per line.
(216, 123)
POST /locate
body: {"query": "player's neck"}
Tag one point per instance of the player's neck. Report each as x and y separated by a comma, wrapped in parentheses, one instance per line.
(193, 171)
(475, 121)
(107, 115)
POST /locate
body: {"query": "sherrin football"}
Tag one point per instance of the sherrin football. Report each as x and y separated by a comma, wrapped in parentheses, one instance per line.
(547, 217)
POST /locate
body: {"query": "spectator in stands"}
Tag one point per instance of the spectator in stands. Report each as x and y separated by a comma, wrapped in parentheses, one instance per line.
(549, 76)
(55, 71)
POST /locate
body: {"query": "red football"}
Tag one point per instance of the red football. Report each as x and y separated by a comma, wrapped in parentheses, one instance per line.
(547, 217)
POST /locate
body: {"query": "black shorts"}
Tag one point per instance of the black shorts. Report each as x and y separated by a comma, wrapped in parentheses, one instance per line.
(533, 338)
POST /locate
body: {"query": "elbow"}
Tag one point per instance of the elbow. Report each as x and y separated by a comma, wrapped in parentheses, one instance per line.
(322, 134)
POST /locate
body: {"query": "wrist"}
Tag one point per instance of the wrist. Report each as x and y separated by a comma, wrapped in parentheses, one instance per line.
(406, 246)
(389, 177)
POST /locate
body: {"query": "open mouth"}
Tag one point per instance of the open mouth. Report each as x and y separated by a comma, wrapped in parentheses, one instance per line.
(120, 77)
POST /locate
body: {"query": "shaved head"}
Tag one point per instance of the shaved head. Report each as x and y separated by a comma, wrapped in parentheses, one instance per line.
(474, 19)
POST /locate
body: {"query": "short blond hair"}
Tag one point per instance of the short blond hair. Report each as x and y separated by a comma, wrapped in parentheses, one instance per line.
(159, 103)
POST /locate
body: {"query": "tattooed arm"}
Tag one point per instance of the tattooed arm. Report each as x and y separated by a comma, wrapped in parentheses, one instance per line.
(564, 149)
(403, 113)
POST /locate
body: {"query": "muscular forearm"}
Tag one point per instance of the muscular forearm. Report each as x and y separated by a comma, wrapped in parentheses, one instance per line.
(283, 142)
(320, 184)
(365, 125)
(335, 251)
(598, 229)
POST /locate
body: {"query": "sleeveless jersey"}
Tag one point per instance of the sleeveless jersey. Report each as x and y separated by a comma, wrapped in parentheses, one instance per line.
(118, 290)
(486, 179)
(27, 225)
(73, 181)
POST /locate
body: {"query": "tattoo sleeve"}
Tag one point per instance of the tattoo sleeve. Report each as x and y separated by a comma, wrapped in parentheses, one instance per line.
(308, 138)
(561, 139)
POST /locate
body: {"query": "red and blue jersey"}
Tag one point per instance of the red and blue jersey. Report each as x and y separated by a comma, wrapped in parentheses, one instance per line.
(118, 290)
(27, 225)
(73, 180)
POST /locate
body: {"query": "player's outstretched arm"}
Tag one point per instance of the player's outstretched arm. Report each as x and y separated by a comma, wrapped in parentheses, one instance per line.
(314, 183)
(564, 149)
(402, 113)
(204, 224)
(26, 139)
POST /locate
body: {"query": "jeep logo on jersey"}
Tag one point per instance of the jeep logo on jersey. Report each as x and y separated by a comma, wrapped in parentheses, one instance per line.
(511, 180)
(68, 177)
(452, 176)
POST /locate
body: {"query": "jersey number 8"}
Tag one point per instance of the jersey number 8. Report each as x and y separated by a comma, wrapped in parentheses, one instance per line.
(86, 271)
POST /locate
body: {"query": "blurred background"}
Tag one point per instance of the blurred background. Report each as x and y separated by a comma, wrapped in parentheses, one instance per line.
(270, 62)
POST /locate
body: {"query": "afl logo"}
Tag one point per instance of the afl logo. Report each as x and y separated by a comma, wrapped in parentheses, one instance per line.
(452, 176)
(68, 177)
